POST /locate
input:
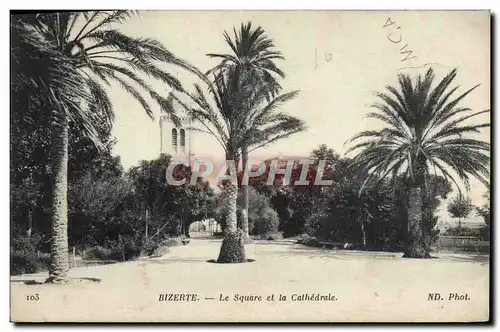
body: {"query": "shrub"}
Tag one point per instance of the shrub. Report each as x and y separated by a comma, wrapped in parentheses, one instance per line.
(308, 240)
(28, 262)
(115, 252)
(99, 253)
(484, 233)
(461, 231)
(316, 225)
(311, 242)
(275, 236)
(159, 251)
(271, 236)
(25, 256)
(262, 218)
(21, 242)
(172, 242)
(152, 248)
(149, 247)
(303, 237)
(267, 222)
(131, 251)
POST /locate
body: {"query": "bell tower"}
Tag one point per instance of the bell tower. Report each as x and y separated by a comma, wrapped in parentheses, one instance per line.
(176, 140)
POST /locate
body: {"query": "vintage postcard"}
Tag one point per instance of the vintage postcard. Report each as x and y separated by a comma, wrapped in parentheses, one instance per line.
(250, 166)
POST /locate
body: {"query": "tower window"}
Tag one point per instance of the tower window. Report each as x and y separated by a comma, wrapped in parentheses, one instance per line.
(183, 140)
(174, 139)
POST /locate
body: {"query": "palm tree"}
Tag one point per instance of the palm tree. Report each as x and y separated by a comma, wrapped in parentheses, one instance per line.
(425, 131)
(252, 51)
(67, 57)
(242, 118)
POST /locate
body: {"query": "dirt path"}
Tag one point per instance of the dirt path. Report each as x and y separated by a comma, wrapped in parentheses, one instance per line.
(365, 286)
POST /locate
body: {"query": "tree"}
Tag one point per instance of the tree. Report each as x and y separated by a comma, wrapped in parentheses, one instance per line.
(484, 210)
(66, 57)
(171, 208)
(253, 51)
(263, 219)
(241, 118)
(96, 208)
(425, 131)
(460, 207)
(323, 152)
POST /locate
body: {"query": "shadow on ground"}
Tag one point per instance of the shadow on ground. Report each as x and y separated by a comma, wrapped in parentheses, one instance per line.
(173, 260)
(71, 281)
(485, 259)
(312, 253)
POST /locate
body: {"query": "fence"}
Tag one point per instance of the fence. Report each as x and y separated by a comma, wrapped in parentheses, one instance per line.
(463, 244)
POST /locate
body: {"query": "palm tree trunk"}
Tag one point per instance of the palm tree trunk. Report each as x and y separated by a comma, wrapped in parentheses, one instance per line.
(232, 249)
(416, 247)
(231, 198)
(244, 194)
(363, 233)
(30, 222)
(59, 265)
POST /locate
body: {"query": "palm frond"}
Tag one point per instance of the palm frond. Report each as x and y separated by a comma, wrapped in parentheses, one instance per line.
(423, 129)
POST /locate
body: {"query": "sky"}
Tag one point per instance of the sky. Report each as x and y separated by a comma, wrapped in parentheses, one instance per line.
(337, 59)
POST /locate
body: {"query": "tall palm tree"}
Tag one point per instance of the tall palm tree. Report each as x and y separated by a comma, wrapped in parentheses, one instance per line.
(253, 51)
(242, 118)
(425, 131)
(67, 57)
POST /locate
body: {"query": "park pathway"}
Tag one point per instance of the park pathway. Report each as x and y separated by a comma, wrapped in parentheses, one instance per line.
(365, 285)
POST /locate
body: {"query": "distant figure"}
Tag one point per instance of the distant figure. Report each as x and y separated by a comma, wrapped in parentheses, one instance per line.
(347, 245)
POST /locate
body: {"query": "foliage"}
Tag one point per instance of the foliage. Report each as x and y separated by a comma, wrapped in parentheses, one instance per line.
(171, 208)
(272, 236)
(436, 189)
(424, 130)
(254, 56)
(26, 256)
(81, 52)
(425, 134)
(341, 213)
(323, 152)
(243, 117)
(485, 210)
(294, 203)
(22, 262)
(262, 218)
(65, 61)
(114, 252)
(460, 207)
(252, 51)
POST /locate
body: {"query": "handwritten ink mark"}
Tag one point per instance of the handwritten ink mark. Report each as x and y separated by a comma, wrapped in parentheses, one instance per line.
(427, 64)
(407, 53)
(389, 22)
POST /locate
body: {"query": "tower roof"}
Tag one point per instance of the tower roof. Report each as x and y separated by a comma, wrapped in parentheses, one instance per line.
(174, 105)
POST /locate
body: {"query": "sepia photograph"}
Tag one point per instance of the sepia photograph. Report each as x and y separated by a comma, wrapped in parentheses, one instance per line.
(217, 166)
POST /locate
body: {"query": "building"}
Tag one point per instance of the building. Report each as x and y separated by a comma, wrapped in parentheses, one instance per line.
(176, 140)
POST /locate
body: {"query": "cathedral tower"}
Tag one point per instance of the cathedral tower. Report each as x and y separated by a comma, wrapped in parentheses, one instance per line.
(176, 140)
